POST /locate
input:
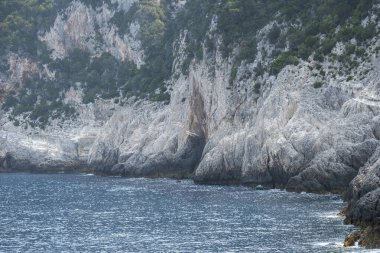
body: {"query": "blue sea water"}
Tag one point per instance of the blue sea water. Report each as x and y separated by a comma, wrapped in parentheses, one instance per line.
(85, 213)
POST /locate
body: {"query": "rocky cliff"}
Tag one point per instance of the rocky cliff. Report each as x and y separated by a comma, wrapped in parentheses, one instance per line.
(313, 125)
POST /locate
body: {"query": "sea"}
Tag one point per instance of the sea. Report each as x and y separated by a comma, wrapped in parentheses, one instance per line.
(88, 213)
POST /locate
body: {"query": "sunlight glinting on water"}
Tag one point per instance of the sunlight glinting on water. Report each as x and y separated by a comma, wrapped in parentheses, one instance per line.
(92, 214)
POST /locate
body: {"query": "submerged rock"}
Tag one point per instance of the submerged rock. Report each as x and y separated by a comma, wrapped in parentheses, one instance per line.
(367, 237)
(370, 237)
(259, 187)
(352, 239)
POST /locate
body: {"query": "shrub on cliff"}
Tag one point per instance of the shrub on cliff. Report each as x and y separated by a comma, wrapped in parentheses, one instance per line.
(281, 61)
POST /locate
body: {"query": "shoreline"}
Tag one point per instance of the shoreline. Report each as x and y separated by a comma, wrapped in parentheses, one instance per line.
(254, 215)
(365, 236)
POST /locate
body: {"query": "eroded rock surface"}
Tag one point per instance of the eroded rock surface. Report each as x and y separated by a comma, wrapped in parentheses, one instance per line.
(364, 199)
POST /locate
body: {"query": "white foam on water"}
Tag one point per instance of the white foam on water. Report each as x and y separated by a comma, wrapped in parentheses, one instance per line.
(117, 189)
(328, 244)
(329, 215)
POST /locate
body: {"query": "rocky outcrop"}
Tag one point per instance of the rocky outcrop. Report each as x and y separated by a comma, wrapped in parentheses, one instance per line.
(152, 140)
(38, 152)
(5, 160)
(59, 147)
(304, 139)
(301, 139)
(66, 145)
(351, 239)
(81, 26)
(364, 202)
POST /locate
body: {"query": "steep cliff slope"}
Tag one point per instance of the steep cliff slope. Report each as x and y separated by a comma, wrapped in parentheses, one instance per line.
(224, 92)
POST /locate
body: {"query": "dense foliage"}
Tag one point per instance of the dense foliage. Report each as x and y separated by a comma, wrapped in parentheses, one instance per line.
(20, 21)
(98, 77)
(153, 21)
(301, 28)
(308, 27)
(298, 30)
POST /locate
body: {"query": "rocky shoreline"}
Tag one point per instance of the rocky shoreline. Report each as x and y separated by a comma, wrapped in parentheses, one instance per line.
(364, 213)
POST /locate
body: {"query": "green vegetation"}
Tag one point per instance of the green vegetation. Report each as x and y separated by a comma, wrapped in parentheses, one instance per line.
(233, 74)
(318, 33)
(318, 84)
(99, 77)
(257, 87)
(308, 27)
(41, 100)
(298, 29)
(156, 41)
(20, 20)
(313, 26)
(196, 19)
(281, 61)
(274, 34)
(239, 22)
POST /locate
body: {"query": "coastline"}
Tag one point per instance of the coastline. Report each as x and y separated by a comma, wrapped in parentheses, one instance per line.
(367, 235)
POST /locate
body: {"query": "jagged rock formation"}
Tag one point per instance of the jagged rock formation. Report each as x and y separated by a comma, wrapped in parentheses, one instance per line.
(293, 129)
(80, 25)
(364, 196)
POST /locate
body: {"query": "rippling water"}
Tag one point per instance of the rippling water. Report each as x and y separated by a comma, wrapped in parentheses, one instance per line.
(44, 213)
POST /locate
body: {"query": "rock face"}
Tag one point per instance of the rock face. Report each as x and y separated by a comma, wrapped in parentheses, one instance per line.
(5, 160)
(62, 146)
(151, 140)
(80, 26)
(304, 139)
(364, 197)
